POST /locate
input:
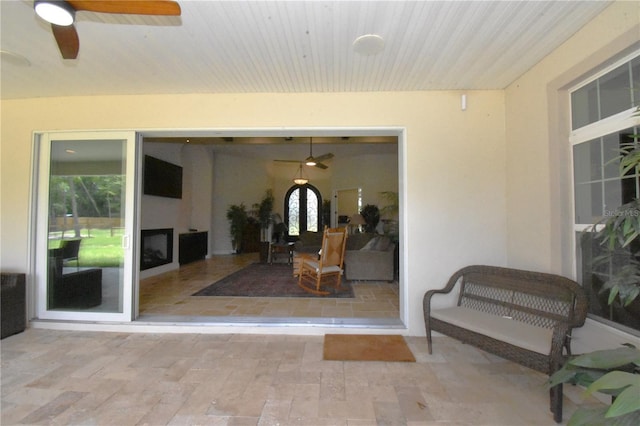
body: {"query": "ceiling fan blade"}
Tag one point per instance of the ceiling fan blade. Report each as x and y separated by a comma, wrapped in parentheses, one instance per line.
(67, 39)
(128, 7)
(324, 157)
(321, 166)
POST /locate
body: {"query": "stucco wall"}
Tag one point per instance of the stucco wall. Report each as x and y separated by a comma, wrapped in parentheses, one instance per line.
(453, 172)
(539, 191)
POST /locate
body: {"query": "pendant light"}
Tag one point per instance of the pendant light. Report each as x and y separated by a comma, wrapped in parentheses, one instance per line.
(300, 179)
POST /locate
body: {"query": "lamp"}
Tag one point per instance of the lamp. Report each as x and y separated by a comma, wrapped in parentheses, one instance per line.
(357, 220)
(300, 179)
(57, 12)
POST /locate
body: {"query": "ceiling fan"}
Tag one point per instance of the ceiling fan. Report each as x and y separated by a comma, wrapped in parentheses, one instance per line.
(61, 14)
(311, 160)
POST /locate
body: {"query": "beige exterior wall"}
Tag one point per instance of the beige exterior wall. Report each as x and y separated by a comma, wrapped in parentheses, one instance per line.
(539, 181)
(454, 177)
(539, 190)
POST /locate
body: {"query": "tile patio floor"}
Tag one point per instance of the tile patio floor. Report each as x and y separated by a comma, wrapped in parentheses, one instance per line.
(108, 378)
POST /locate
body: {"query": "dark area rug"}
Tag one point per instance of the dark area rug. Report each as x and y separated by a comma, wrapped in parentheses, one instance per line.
(264, 280)
(361, 347)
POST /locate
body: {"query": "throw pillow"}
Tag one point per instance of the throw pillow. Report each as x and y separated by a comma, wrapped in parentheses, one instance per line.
(370, 245)
(382, 244)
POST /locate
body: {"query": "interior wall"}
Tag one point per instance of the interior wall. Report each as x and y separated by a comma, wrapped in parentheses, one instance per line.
(193, 210)
(237, 180)
(373, 173)
(540, 206)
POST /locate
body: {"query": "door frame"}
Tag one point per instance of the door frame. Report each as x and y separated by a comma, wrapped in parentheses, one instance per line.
(39, 225)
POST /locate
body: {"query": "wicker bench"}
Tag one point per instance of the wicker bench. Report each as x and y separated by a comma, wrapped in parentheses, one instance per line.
(525, 317)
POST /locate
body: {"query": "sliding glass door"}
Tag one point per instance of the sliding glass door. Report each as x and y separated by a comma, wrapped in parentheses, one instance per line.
(85, 214)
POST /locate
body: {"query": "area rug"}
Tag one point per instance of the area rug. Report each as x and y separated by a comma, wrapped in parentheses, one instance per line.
(264, 280)
(363, 347)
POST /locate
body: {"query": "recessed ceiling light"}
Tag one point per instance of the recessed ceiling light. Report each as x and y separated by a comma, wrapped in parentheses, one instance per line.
(14, 58)
(368, 44)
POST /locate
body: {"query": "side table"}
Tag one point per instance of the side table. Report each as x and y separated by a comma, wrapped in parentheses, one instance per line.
(281, 248)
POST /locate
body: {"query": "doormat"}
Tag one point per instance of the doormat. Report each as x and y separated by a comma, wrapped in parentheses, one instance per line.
(264, 280)
(364, 347)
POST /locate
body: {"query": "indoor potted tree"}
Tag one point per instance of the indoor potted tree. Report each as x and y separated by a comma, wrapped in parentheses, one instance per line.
(264, 213)
(238, 219)
(389, 214)
(371, 215)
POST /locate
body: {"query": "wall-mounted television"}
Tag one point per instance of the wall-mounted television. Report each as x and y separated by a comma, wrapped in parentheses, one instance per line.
(162, 178)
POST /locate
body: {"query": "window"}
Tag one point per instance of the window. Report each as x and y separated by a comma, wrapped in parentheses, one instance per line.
(302, 209)
(603, 122)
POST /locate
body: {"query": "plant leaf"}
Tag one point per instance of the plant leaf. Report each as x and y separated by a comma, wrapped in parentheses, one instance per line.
(627, 401)
(588, 417)
(608, 358)
(614, 380)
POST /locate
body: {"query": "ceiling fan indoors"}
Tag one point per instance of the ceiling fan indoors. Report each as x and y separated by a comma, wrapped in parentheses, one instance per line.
(61, 14)
(311, 160)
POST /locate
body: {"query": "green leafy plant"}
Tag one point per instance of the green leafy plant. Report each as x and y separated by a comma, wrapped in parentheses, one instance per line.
(618, 234)
(263, 211)
(389, 214)
(371, 215)
(238, 219)
(614, 372)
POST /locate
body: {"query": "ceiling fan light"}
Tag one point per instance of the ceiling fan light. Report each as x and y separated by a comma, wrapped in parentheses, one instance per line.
(300, 179)
(310, 161)
(57, 12)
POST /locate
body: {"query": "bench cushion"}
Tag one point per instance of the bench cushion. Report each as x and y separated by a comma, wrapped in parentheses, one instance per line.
(517, 333)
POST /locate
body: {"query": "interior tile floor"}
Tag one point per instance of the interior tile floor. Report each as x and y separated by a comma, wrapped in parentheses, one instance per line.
(112, 378)
(169, 294)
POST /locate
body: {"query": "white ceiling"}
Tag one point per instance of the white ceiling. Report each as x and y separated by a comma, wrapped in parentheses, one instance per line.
(287, 46)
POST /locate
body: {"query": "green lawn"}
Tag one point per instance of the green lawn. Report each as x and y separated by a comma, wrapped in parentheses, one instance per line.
(98, 247)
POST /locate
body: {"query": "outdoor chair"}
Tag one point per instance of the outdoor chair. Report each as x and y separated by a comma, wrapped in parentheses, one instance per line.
(70, 250)
(313, 272)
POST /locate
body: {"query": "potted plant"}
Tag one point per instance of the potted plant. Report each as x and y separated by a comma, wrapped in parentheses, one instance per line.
(371, 215)
(617, 269)
(264, 213)
(238, 219)
(614, 372)
(389, 214)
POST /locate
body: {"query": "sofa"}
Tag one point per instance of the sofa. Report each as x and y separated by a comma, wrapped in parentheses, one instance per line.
(369, 257)
(308, 242)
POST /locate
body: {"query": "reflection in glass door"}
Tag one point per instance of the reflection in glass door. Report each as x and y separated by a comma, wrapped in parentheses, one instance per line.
(85, 220)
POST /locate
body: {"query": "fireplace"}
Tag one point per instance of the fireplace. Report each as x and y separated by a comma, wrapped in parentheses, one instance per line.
(156, 247)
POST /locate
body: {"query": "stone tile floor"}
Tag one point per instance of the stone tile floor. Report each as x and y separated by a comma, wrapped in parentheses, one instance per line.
(170, 294)
(109, 378)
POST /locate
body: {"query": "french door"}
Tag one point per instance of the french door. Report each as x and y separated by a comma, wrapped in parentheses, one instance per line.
(85, 214)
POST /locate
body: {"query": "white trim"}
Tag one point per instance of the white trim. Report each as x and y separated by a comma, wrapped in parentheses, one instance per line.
(42, 157)
(604, 71)
(306, 327)
(313, 326)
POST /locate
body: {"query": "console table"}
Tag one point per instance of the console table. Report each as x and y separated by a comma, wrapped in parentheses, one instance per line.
(192, 246)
